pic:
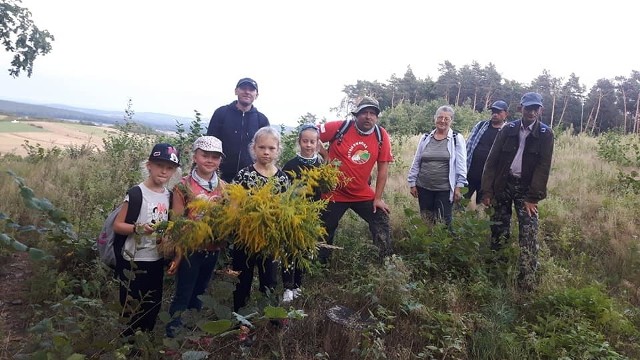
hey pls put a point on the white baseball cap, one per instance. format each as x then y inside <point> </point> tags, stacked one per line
<point>208,143</point>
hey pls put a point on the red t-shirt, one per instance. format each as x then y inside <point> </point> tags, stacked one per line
<point>357,155</point>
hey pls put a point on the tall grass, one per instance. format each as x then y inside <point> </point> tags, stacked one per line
<point>438,297</point>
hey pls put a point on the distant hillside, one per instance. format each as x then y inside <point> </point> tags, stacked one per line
<point>47,112</point>
<point>162,121</point>
<point>65,112</point>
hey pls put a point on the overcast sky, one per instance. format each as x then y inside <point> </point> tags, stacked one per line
<point>176,56</point>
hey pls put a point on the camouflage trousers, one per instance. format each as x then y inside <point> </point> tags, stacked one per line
<point>378,225</point>
<point>527,229</point>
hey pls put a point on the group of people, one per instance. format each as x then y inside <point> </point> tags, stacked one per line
<point>504,165</point>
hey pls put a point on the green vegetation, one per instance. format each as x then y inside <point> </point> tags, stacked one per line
<point>7,126</point>
<point>438,297</point>
<point>21,37</point>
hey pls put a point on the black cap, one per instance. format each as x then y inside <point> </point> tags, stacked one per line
<point>249,81</point>
<point>165,152</point>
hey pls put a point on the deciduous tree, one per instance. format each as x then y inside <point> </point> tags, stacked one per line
<point>20,36</point>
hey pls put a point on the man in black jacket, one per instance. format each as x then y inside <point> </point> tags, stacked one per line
<point>516,173</point>
<point>235,124</point>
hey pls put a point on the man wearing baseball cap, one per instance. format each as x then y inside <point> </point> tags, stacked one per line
<point>358,149</point>
<point>480,141</point>
<point>516,174</point>
<point>235,124</point>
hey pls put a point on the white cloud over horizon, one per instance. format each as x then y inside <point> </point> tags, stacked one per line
<point>173,57</point>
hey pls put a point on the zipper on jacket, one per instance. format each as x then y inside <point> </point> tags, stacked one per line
<point>241,134</point>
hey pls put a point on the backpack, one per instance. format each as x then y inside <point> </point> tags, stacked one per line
<point>455,138</point>
<point>107,238</point>
<point>345,126</point>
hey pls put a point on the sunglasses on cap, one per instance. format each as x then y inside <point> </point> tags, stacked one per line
<point>307,127</point>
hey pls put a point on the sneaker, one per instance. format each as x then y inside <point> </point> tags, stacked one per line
<point>287,296</point>
<point>296,292</point>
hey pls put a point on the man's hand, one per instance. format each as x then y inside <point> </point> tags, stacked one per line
<point>380,204</point>
<point>413,191</point>
<point>531,208</point>
<point>486,201</point>
<point>174,265</point>
<point>457,194</point>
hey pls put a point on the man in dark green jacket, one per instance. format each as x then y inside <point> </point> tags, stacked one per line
<point>516,174</point>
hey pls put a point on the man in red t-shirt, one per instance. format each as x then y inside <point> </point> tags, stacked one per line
<point>358,151</point>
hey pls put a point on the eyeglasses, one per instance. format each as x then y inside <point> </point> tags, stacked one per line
<point>443,118</point>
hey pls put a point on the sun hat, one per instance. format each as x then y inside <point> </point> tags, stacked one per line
<point>366,102</point>
<point>208,143</point>
<point>165,152</point>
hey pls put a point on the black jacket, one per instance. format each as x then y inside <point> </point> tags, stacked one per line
<point>536,161</point>
<point>235,129</point>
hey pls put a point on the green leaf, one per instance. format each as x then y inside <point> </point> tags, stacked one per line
<point>5,239</point>
<point>26,228</point>
<point>60,341</point>
<point>272,312</point>
<point>216,327</point>
<point>42,327</point>
<point>37,254</point>
<point>19,246</point>
<point>164,317</point>
<point>76,357</point>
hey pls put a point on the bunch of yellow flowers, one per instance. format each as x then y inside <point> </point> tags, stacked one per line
<point>263,221</point>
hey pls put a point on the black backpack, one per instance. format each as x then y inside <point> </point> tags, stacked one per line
<point>345,126</point>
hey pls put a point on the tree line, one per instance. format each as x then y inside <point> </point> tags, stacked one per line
<point>610,104</point>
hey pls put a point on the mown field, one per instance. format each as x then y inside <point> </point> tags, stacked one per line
<point>48,134</point>
<point>436,298</point>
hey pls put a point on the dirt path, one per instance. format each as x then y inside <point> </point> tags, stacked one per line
<point>14,304</point>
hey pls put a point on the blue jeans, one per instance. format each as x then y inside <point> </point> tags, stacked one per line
<point>192,279</point>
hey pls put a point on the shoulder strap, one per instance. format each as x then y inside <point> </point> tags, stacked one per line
<point>341,131</point>
<point>345,126</point>
<point>135,203</point>
<point>378,135</point>
<point>171,201</point>
<point>455,138</point>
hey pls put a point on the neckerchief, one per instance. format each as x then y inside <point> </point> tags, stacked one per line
<point>207,184</point>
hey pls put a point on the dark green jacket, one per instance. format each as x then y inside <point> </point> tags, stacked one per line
<point>536,161</point>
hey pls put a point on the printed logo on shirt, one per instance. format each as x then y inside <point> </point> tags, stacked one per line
<point>159,213</point>
<point>359,153</point>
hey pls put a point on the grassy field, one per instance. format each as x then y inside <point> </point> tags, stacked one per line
<point>437,298</point>
<point>19,127</point>
<point>48,135</point>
